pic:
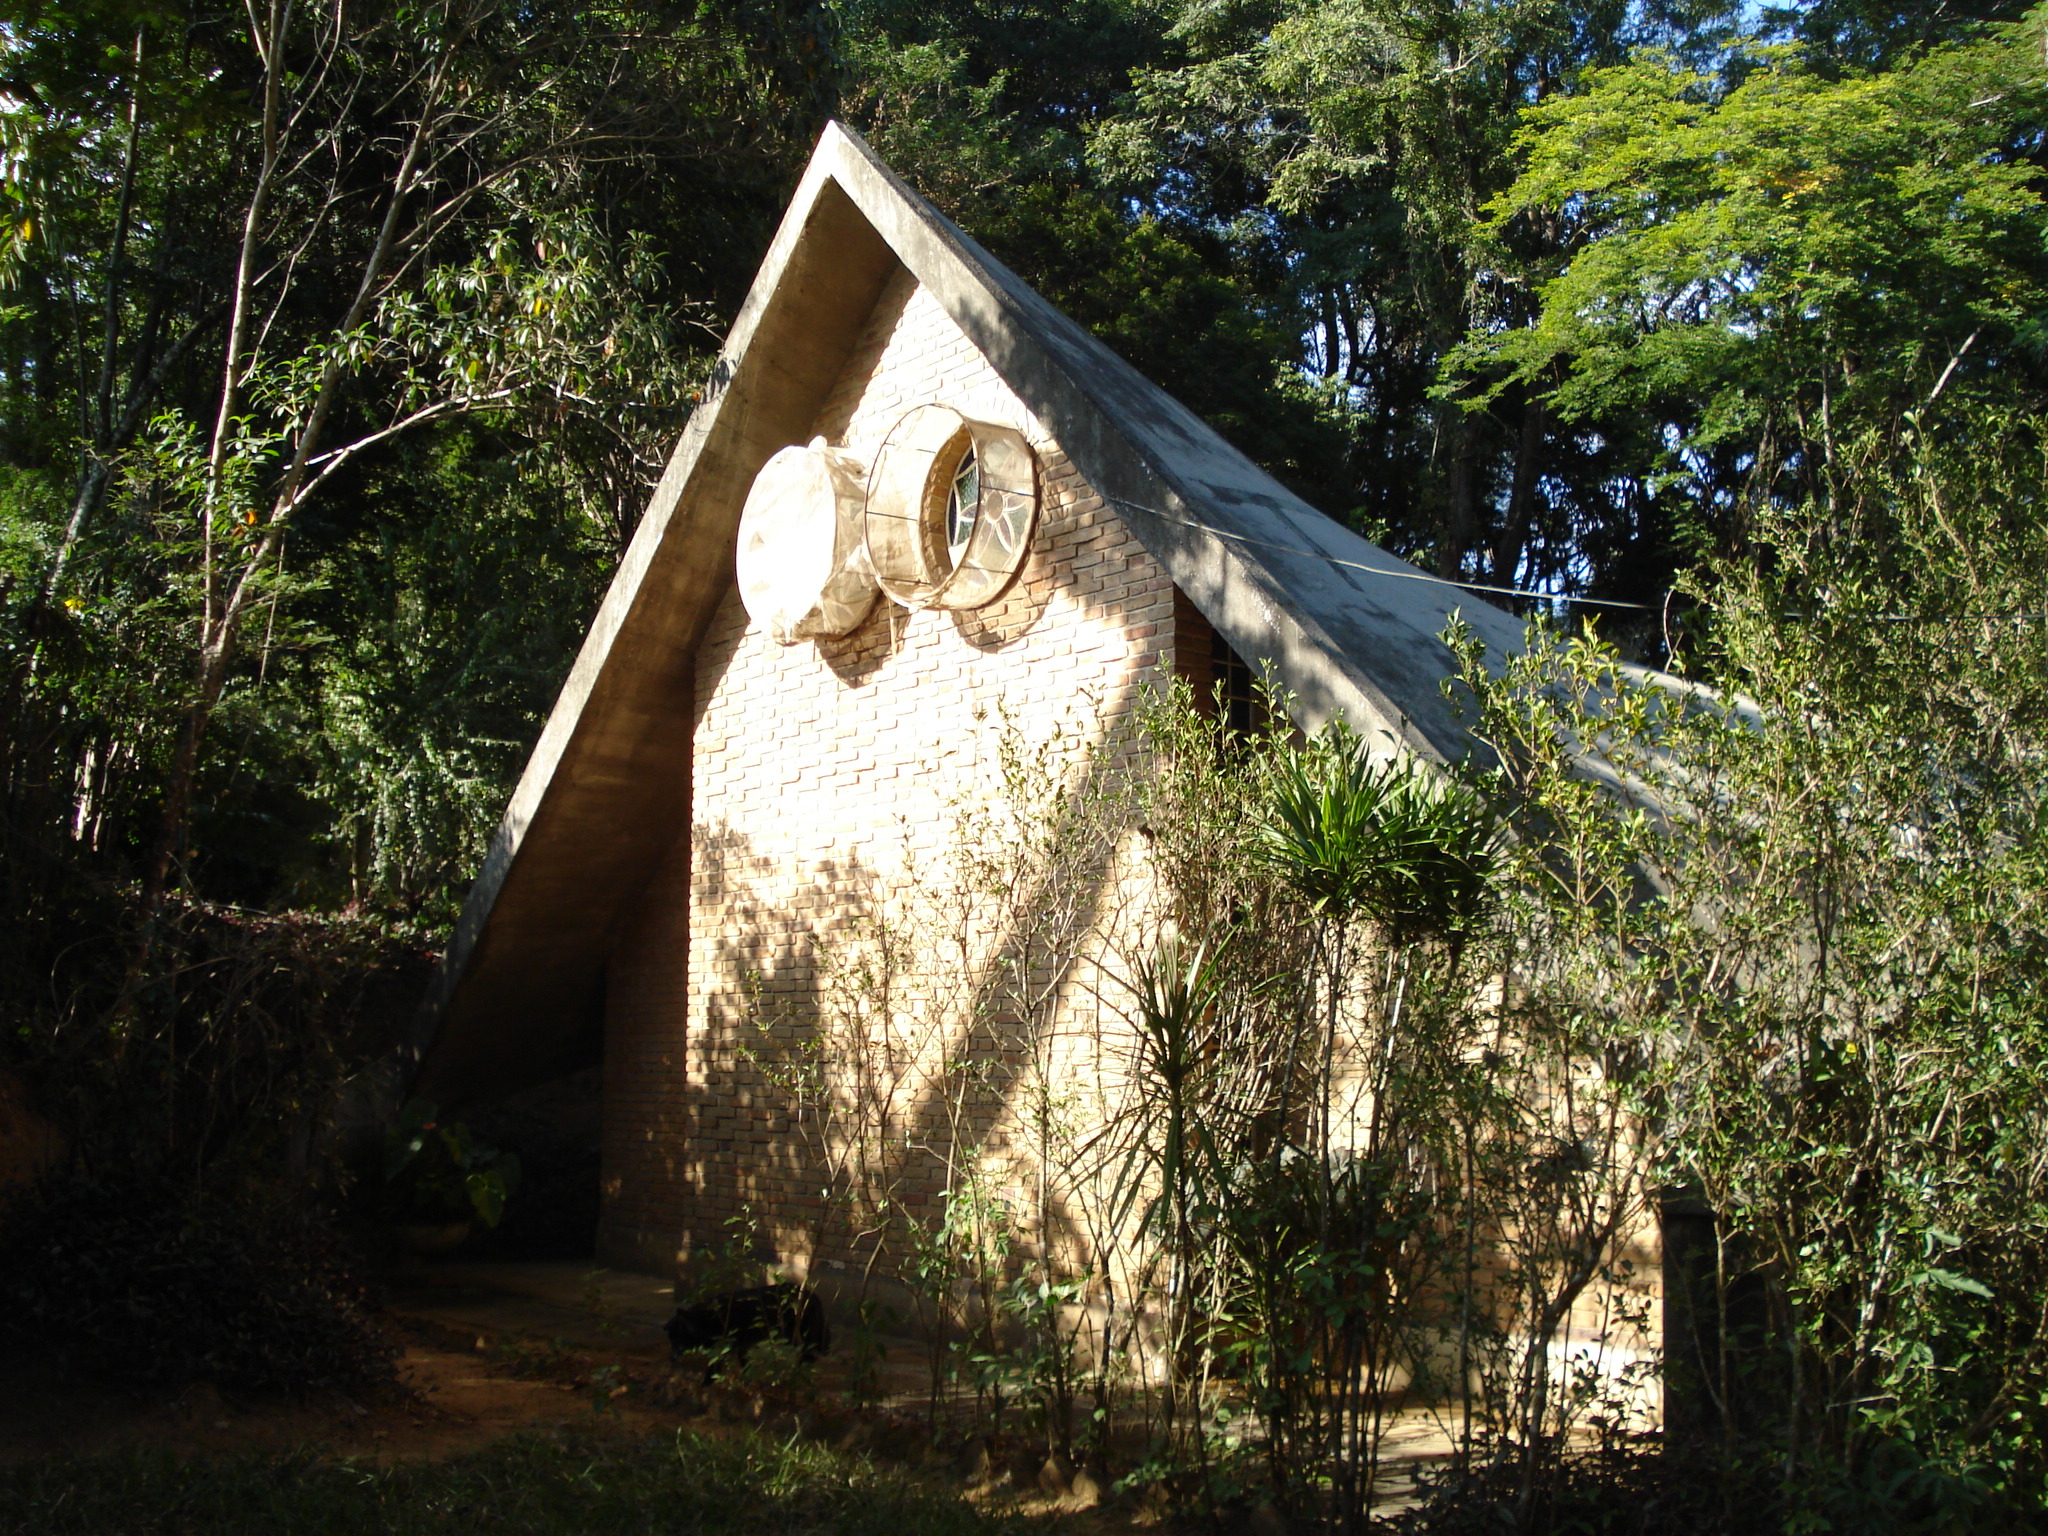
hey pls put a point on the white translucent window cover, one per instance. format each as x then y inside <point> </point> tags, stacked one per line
<point>911,490</point>
<point>801,562</point>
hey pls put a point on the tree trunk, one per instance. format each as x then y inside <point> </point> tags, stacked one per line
<point>1454,533</point>
<point>1513,536</point>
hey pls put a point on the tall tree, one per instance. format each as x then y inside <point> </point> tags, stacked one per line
<point>991,111</point>
<point>252,255</point>
<point>1752,277</point>
<point>1359,144</point>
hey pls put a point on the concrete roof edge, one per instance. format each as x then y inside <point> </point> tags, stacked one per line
<point>584,674</point>
<point>1168,510</point>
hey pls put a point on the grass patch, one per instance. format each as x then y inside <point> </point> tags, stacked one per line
<point>581,1482</point>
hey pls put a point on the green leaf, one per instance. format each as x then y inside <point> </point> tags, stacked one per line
<point>1949,1280</point>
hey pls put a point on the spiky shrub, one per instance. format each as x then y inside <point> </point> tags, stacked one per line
<point>1381,840</point>
<point>1350,1133</point>
<point>1390,863</point>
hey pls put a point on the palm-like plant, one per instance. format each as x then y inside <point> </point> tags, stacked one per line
<point>1395,845</point>
<point>1387,840</point>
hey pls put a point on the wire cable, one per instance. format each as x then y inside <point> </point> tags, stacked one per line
<point>1374,570</point>
<point>1549,597</point>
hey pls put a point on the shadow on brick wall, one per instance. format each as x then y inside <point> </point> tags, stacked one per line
<point>853,1009</point>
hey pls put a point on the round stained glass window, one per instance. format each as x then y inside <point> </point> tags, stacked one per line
<point>950,509</point>
<point>963,508</point>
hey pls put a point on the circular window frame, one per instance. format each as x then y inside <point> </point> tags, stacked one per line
<point>799,560</point>
<point>911,489</point>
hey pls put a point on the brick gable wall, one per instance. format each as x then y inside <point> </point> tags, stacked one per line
<point>828,778</point>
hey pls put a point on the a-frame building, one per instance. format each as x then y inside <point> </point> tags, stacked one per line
<point>994,518</point>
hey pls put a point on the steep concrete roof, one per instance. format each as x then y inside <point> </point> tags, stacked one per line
<point>1346,626</point>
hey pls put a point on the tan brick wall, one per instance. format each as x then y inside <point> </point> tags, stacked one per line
<point>830,779</point>
<point>831,782</point>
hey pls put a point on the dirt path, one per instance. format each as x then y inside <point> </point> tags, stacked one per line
<point>451,1400</point>
<point>490,1351</point>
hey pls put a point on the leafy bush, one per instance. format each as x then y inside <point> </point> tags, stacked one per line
<point>1638,1488</point>
<point>439,1170</point>
<point>1804,894</point>
<point>148,1282</point>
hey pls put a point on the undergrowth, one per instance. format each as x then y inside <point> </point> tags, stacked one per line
<point>547,1485</point>
<point>140,1279</point>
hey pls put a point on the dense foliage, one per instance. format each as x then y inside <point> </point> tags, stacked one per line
<point>148,1281</point>
<point>1830,995</point>
<point>339,348</point>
